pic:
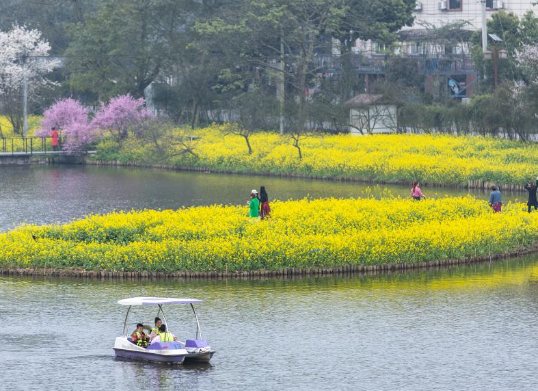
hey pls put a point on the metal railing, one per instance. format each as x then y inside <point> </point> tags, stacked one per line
<point>27,145</point>
<point>428,63</point>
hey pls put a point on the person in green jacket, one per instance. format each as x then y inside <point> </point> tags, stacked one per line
<point>254,204</point>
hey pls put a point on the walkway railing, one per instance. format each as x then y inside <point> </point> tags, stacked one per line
<point>27,145</point>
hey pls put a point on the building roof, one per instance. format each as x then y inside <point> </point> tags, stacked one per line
<point>363,100</point>
<point>436,34</point>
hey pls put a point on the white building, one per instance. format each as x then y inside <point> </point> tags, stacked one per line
<point>369,114</point>
<point>443,12</point>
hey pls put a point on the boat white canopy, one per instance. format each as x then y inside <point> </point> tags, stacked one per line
<point>157,301</point>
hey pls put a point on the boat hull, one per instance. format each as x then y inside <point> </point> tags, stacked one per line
<point>146,356</point>
<point>167,352</point>
<point>199,358</point>
<point>198,351</point>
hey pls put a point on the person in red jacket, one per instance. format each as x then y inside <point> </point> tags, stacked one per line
<point>54,136</point>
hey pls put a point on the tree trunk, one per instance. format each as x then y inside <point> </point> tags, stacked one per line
<point>194,113</point>
<point>346,86</point>
<point>296,145</point>
<point>247,140</point>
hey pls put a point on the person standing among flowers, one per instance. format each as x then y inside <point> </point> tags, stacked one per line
<point>254,204</point>
<point>495,199</point>
<point>416,193</point>
<point>531,187</point>
<point>265,210</point>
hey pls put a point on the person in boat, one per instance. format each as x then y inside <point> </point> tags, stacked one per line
<point>154,331</point>
<point>139,337</point>
<point>165,336</point>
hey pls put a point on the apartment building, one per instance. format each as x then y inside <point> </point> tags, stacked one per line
<point>448,63</point>
<point>442,12</point>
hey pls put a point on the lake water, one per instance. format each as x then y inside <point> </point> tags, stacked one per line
<point>464,328</point>
<point>49,194</point>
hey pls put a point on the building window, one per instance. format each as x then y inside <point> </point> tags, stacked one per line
<point>454,5</point>
<point>415,48</point>
<point>489,4</point>
<point>380,48</point>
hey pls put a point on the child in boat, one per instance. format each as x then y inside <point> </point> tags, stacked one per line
<point>139,337</point>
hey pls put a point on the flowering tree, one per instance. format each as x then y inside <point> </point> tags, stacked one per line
<point>63,114</point>
<point>71,118</point>
<point>121,115</point>
<point>23,57</point>
<point>527,58</point>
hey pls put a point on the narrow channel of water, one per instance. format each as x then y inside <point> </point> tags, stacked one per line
<point>464,328</point>
<point>48,194</point>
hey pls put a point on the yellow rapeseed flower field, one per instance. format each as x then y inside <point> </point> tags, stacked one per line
<point>440,159</point>
<point>299,234</point>
<point>9,140</point>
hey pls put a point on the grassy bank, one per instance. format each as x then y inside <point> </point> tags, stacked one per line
<point>438,159</point>
<point>301,234</point>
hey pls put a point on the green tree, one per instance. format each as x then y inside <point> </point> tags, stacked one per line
<point>124,45</point>
<point>514,33</point>
<point>376,20</point>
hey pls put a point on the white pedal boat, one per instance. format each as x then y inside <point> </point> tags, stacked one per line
<point>191,351</point>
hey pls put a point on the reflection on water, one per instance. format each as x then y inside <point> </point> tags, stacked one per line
<point>52,194</point>
<point>461,328</point>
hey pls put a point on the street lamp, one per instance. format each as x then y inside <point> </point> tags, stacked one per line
<point>496,54</point>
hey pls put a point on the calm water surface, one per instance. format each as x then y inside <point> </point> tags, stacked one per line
<point>48,194</point>
<point>468,328</point>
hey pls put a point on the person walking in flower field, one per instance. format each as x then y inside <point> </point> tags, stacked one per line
<point>531,187</point>
<point>254,204</point>
<point>495,199</point>
<point>265,210</point>
<point>416,193</point>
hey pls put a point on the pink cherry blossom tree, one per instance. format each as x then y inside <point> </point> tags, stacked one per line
<point>62,114</point>
<point>122,114</point>
<point>70,117</point>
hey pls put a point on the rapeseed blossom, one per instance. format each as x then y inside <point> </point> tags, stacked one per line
<point>300,234</point>
<point>442,159</point>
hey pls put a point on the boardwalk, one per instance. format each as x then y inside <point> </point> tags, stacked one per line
<point>25,147</point>
<point>31,153</point>
<point>40,153</point>
<point>21,150</point>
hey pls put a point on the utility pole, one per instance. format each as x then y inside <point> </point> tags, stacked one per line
<point>484,27</point>
<point>25,94</point>
<point>281,86</point>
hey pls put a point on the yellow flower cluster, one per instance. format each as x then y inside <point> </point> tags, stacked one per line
<point>13,141</point>
<point>441,159</point>
<point>299,234</point>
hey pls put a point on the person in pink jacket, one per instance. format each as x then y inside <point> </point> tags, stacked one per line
<point>416,193</point>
